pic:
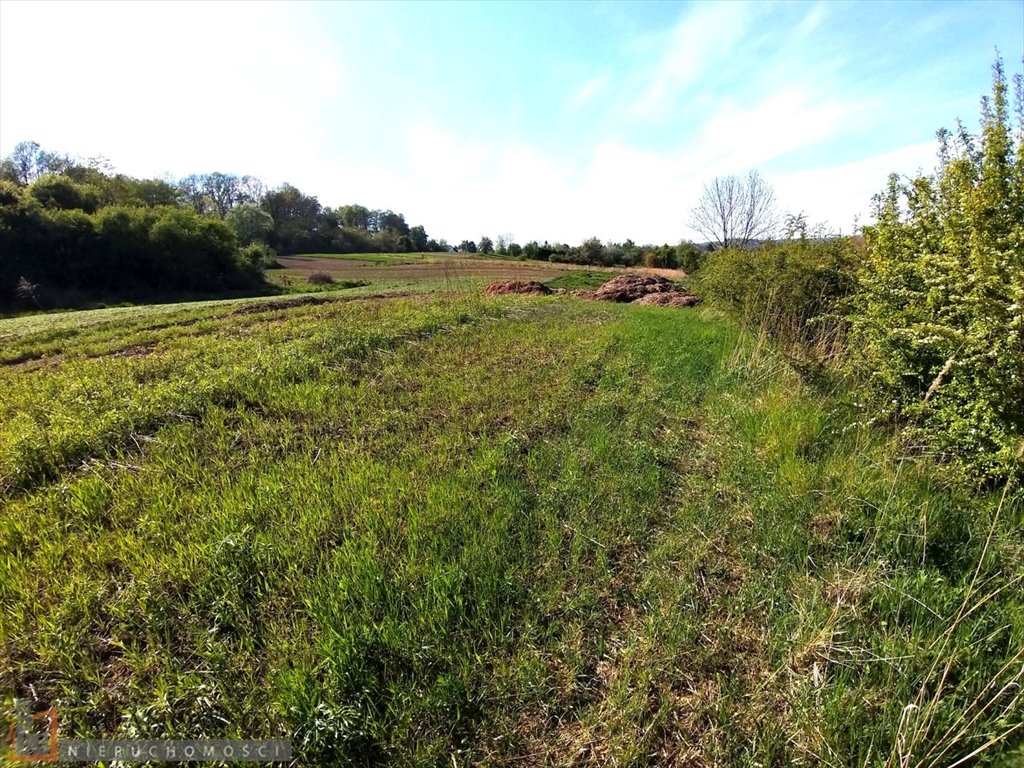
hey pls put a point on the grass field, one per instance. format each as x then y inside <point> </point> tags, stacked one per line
<point>432,272</point>
<point>444,530</point>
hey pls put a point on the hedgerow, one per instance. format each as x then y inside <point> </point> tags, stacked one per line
<point>937,322</point>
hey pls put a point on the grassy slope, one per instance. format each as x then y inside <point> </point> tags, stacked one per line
<point>534,530</point>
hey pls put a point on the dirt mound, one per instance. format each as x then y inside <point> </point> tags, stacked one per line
<point>523,287</point>
<point>625,288</point>
<point>582,293</point>
<point>669,299</point>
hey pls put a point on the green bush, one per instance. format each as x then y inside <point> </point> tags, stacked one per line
<point>117,251</point>
<point>60,192</point>
<point>258,256</point>
<point>938,323</point>
<point>320,278</point>
<point>792,289</point>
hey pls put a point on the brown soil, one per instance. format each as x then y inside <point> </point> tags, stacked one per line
<point>669,299</point>
<point>267,306</point>
<point>630,287</point>
<point>524,287</point>
<point>452,267</point>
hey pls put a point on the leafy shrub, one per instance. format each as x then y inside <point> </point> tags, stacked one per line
<point>257,256</point>
<point>939,321</point>
<point>62,193</point>
<point>794,289</point>
<point>10,193</point>
<point>250,223</point>
<point>117,250</point>
<point>320,278</point>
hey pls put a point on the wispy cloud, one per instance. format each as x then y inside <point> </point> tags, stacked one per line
<point>588,91</point>
<point>840,194</point>
<point>694,48</point>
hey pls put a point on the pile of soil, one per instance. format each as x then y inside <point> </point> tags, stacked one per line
<point>650,290</point>
<point>523,287</point>
<point>626,288</point>
<point>669,299</point>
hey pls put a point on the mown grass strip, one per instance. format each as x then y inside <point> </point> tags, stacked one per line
<point>557,532</point>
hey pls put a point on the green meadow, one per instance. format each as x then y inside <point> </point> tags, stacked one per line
<point>449,530</point>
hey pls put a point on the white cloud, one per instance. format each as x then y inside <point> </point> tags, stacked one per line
<point>181,87</point>
<point>838,194</point>
<point>588,91</point>
<point>697,46</point>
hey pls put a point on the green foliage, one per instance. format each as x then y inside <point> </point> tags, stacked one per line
<point>250,223</point>
<point>62,193</point>
<point>939,323</point>
<point>119,250</point>
<point>689,257</point>
<point>196,251</point>
<point>791,289</point>
<point>686,256</point>
<point>258,256</point>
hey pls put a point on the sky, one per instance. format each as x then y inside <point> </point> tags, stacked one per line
<point>551,121</point>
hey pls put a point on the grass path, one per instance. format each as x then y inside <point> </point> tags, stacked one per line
<point>426,531</point>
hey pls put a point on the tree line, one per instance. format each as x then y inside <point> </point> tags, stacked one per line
<point>71,229</point>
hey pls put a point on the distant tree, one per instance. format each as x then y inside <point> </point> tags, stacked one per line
<point>689,256</point>
<point>53,162</point>
<point>8,172</point>
<point>734,211</point>
<point>591,251</point>
<point>418,239</point>
<point>503,244</point>
<point>217,193</point>
<point>250,222</point>
<point>193,193</point>
<point>296,217</point>
<point>796,226</point>
<point>154,192</point>
<point>486,245</point>
<point>60,192</point>
<point>23,162</point>
<point>390,241</point>
<point>354,216</point>
<point>467,246</point>
<point>531,249</point>
<point>222,189</point>
<point>392,221</point>
<point>251,189</point>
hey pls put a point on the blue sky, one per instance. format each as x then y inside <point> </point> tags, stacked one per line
<point>545,120</point>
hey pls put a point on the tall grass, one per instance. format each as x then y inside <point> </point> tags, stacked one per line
<point>515,531</point>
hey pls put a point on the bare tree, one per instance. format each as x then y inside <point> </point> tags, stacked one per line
<point>734,211</point>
